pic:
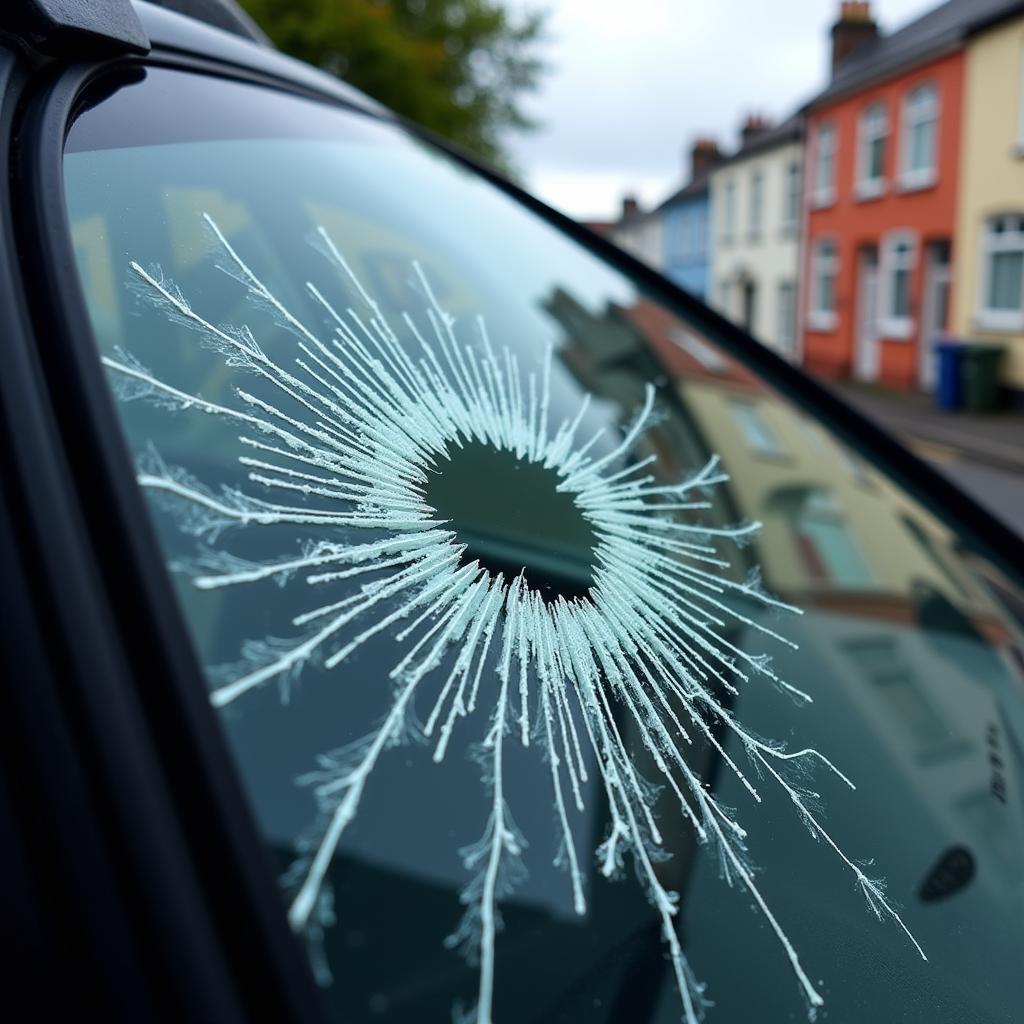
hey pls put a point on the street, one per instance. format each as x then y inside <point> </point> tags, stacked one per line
<point>1000,492</point>
<point>983,454</point>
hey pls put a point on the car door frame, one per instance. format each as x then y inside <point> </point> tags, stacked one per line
<point>190,925</point>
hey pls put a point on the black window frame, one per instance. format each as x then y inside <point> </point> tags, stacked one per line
<point>167,742</point>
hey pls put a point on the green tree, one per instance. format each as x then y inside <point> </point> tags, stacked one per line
<point>459,67</point>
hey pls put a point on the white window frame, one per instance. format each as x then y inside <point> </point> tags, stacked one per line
<point>758,434</point>
<point>785,315</point>
<point>792,186</point>
<point>755,211</point>
<point>899,327</point>
<point>998,319</point>
<point>819,319</point>
<point>872,125</point>
<point>919,177</point>
<point>725,291</point>
<point>709,357</point>
<point>728,211</point>
<point>824,193</point>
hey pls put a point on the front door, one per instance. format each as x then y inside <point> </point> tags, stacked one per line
<point>934,310</point>
<point>866,357</point>
<point>749,305</point>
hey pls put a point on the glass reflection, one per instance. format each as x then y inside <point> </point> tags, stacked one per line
<point>910,645</point>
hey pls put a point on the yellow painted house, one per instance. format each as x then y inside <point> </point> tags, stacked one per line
<point>835,533</point>
<point>988,282</point>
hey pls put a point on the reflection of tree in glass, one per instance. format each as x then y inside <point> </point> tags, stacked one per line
<point>362,431</point>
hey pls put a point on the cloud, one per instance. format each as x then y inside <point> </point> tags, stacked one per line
<point>633,82</point>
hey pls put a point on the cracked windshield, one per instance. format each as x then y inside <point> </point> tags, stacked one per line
<point>572,673</point>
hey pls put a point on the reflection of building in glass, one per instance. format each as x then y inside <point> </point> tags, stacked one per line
<point>824,544</point>
<point>609,353</point>
<point>830,523</point>
<point>882,661</point>
<point>908,657</point>
<point>924,707</point>
<point>906,615</point>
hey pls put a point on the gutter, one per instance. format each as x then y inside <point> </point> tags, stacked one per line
<point>867,80</point>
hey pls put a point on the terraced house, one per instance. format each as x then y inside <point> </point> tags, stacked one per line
<point>988,283</point>
<point>686,220</point>
<point>755,203</point>
<point>882,184</point>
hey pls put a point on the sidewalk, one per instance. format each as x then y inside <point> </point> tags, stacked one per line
<point>994,439</point>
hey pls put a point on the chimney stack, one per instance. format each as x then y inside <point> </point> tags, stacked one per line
<point>704,154</point>
<point>854,28</point>
<point>752,126</point>
<point>630,208</point>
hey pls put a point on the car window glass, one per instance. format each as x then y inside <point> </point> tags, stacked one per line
<point>516,595</point>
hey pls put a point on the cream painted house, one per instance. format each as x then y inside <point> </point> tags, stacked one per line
<point>756,220</point>
<point>832,526</point>
<point>988,282</point>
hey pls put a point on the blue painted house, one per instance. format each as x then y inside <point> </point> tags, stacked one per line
<point>686,224</point>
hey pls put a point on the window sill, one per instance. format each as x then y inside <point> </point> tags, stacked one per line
<point>865,191</point>
<point>1000,321</point>
<point>822,200</point>
<point>821,321</point>
<point>896,330</point>
<point>917,182</point>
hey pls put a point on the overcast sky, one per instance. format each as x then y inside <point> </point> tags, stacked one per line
<point>632,81</point>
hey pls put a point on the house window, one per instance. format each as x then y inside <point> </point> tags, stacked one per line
<point>748,292</point>
<point>824,269</point>
<point>756,431</point>
<point>828,548</point>
<point>873,131</point>
<point>679,237</point>
<point>1003,273</point>
<point>791,198</point>
<point>729,211</point>
<point>710,358</point>
<point>692,235</point>
<point>825,165</point>
<point>786,312</point>
<point>756,213</point>
<point>725,298</point>
<point>904,693</point>
<point>920,132</point>
<point>899,254</point>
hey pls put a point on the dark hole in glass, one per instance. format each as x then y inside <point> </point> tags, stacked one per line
<point>510,515</point>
